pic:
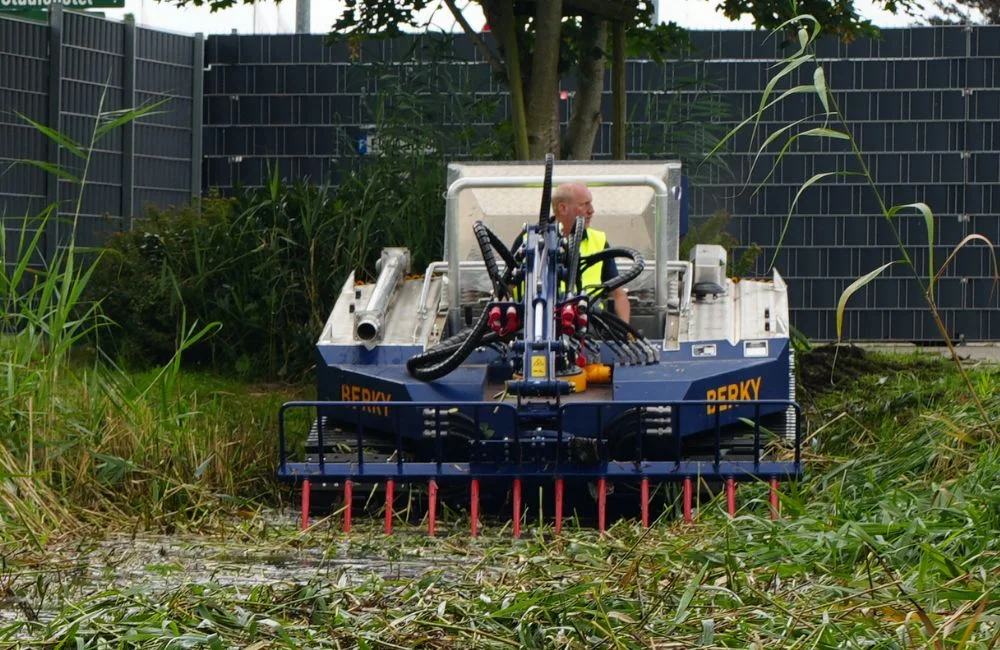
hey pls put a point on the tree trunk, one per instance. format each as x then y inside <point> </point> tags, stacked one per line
<point>500,14</point>
<point>543,94</point>
<point>586,118</point>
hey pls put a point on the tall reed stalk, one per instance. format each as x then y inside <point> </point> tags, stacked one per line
<point>84,441</point>
<point>834,127</point>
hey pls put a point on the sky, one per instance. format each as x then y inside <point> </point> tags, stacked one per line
<point>267,17</point>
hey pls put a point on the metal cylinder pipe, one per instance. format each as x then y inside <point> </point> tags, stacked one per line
<point>369,322</point>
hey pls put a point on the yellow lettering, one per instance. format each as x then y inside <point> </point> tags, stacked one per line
<point>744,391</point>
<point>352,393</point>
<point>723,393</point>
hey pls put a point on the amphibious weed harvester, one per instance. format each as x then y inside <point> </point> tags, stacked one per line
<point>495,371</point>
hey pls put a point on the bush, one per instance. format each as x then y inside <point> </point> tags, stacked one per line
<point>266,264</point>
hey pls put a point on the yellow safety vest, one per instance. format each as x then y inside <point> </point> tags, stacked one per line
<point>594,242</point>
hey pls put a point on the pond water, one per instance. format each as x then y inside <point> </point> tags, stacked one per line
<point>274,552</point>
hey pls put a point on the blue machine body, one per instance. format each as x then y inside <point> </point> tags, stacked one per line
<point>690,406</point>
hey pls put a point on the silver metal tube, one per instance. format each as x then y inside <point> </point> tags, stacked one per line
<point>660,232</point>
<point>369,321</point>
<point>683,268</point>
<point>435,267</point>
<point>624,180</point>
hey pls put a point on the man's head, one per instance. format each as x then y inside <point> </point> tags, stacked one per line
<point>572,200</point>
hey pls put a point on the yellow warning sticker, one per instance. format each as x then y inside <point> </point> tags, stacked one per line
<point>539,365</point>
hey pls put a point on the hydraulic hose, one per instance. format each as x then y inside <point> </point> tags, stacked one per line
<point>620,331</point>
<point>446,348</point>
<point>573,255</point>
<point>490,259</point>
<point>508,257</point>
<point>543,215</point>
<point>638,264</point>
<point>417,363</point>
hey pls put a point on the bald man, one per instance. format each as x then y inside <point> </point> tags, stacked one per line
<point>572,200</point>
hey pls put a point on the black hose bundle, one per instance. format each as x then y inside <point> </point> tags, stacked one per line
<point>447,355</point>
<point>426,365</point>
<point>506,254</point>
<point>614,329</point>
<point>543,214</point>
<point>638,264</point>
<point>490,259</point>
<point>573,255</point>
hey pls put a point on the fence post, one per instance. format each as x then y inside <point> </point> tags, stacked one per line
<point>54,122</point>
<point>128,131</point>
<point>197,108</point>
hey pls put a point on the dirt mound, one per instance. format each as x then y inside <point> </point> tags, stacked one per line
<point>828,367</point>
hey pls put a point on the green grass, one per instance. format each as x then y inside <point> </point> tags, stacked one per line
<point>892,541</point>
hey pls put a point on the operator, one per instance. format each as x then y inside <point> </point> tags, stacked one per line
<point>572,200</point>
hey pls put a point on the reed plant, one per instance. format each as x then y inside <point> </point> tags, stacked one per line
<point>85,443</point>
<point>829,125</point>
<point>890,542</point>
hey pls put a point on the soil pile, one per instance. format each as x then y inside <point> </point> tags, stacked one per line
<point>830,367</point>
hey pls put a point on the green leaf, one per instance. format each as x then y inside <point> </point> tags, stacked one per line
<point>850,290</point>
<point>819,80</point>
<point>809,183</point>
<point>61,139</point>
<point>962,244</point>
<point>771,138</point>
<point>823,132</point>
<point>117,119</point>
<point>688,594</point>
<point>56,170</point>
<point>929,222</point>
<point>790,67</point>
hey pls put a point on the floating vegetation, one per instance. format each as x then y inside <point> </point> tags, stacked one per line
<point>891,542</point>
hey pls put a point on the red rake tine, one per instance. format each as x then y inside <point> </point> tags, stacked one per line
<point>602,487</point>
<point>432,497</point>
<point>305,503</point>
<point>688,492</point>
<point>644,495</point>
<point>475,507</point>
<point>517,507</point>
<point>731,496</point>
<point>774,500</point>
<point>390,486</point>
<point>559,505</point>
<point>348,504</point>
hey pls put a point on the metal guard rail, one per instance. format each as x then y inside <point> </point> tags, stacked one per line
<point>365,470</point>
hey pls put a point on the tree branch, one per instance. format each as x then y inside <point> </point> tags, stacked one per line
<point>495,63</point>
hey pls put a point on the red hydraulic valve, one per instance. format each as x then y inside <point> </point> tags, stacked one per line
<point>568,318</point>
<point>494,319</point>
<point>511,322</point>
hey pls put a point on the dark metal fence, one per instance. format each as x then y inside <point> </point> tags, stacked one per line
<point>62,75</point>
<point>923,102</point>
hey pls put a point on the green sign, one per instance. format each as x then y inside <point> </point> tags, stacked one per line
<point>38,5</point>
